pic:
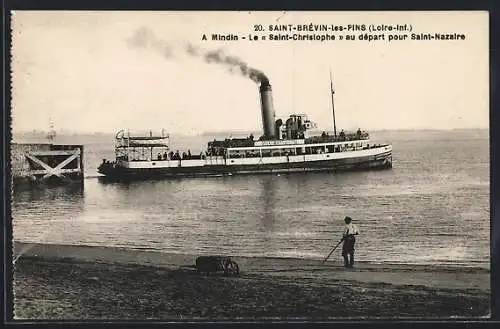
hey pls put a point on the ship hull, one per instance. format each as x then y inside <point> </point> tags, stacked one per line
<point>381,160</point>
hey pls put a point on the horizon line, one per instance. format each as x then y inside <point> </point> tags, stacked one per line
<point>63,131</point>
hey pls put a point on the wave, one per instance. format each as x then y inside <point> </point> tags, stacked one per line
<point>92,176</point>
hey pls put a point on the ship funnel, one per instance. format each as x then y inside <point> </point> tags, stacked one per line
<point>267,108</point>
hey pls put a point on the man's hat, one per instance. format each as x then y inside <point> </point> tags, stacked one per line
<point>347,218</point>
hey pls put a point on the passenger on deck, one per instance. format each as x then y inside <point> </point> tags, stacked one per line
<point>358,133</point>
<point>189,154</point>
<point>342,135</point>
<point>159,157</point>
<point>165,156</point>
<point>184,155</point>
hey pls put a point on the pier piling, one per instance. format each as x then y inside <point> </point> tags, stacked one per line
<point>47,164</point>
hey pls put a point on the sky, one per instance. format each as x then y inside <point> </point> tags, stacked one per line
<point>107,71</point>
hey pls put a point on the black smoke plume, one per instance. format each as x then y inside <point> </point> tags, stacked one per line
<point>145,38</point>
<point>234,63</point>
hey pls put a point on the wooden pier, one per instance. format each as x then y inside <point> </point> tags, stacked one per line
<point>47,164</point>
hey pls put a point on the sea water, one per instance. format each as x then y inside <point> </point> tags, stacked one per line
<point>432,207</point>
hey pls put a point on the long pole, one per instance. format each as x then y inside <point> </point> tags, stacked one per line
<point>331,252</point>
<point>333,105</point>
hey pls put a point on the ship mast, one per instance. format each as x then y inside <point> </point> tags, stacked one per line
<point>52,132</point>
<point>333,105</point>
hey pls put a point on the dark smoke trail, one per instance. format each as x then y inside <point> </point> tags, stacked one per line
<point>219,57</point>
<point>145,38</point>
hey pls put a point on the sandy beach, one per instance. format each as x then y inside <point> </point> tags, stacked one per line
<point>77,282</point>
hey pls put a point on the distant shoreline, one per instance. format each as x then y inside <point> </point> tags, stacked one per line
<point>42,134</point>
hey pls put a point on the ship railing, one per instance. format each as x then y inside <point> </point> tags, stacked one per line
<point>330,139</point>
<point>307,149</point>
<point>231,143</point>
<point>160,157</point>
<point>214,160</point>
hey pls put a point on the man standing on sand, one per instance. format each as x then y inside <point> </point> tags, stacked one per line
<point>350,231</point>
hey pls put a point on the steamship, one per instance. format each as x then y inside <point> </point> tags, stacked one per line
<point>284,147</point>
